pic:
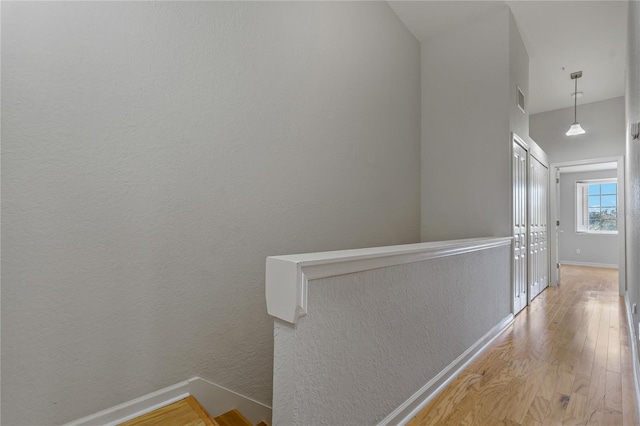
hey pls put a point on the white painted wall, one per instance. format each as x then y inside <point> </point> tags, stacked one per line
<point>372,339</point>
<point>632,109</point>
<point>469,79</point>
<point>603,122</point>
<point>154,153</point>
<point>518,77</point>
<point>594,248</point>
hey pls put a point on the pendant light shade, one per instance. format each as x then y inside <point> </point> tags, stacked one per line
<point>576,128</point>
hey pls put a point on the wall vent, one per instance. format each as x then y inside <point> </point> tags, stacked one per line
<point>634,131</point>
<point>520,99</point>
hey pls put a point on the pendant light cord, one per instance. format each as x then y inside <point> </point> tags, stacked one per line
<point>575,102</point>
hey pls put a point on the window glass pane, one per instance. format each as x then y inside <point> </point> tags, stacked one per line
<point>595,219</point>
<point>597,206</point>
<point>609,188</point>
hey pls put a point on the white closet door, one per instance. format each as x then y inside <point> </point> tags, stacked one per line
<point>538,248</point>
<point>519,168</point>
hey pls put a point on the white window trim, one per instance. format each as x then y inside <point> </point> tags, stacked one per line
<point>582,228</point>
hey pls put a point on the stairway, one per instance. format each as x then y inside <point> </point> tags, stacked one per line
<point>189,412</point>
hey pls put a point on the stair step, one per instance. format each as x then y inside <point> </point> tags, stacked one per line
<point>189,412</point>
<point>233,418</point>
<point>186,412</point>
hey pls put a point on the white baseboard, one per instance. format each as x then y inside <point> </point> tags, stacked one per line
<point>136,407</point>
<point>215,399</point>
<point>634,353</point>
<point>420,399</point>
<point>592,264</point>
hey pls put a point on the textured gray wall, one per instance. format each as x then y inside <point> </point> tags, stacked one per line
<point>374,338</point>
<point>154,153</point>
<point>518,77</point>
<point>465,125</point>
<point>632,96</point>
<point>469,79</point>
<point>594,248</point>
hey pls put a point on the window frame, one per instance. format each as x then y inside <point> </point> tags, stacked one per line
<point>582,206</point>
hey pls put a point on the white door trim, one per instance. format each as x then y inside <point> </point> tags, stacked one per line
<point>622,279</point>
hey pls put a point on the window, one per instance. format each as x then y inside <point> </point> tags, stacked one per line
<point>597,206</point>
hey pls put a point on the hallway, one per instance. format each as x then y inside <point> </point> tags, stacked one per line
<point>565,360</point>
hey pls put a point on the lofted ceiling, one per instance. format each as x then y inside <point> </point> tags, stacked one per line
<point>560,36</point>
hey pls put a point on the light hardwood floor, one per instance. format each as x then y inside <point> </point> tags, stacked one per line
<point>565,360</point>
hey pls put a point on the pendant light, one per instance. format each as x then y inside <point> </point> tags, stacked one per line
<point>576,128</point>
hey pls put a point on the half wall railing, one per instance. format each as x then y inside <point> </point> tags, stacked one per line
<point>368,336</point>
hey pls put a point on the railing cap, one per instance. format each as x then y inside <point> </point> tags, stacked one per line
<point>287,276</point>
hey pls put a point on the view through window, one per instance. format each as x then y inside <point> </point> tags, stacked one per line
<point>597,206</point>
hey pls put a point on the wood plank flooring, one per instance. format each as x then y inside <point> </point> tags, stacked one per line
<point>564,361</point>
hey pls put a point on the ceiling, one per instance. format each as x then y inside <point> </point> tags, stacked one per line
<point>612,165</point>
<point>560,36</point>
